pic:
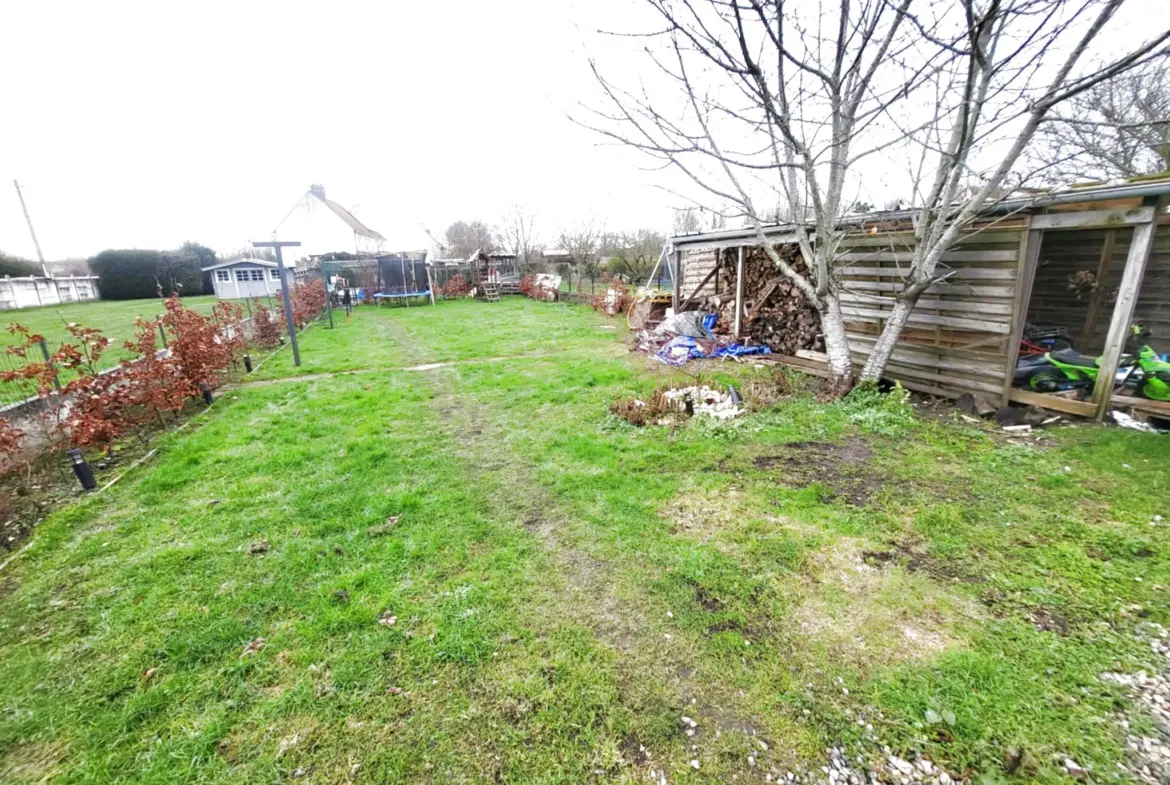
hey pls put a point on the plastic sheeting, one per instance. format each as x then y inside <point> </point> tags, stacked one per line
<point>682,348</point>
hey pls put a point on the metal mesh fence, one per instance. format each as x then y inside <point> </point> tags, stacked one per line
<point>17,391</point>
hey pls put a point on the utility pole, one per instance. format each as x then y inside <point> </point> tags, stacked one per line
<point>28,220</point>
<point>288,313</point>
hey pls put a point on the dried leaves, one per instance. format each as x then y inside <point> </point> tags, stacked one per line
<point>639,412</point>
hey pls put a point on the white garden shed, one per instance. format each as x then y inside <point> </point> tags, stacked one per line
<point>247,278</point>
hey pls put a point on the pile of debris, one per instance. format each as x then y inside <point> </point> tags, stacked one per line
<point>669,405</point>
<point>776,314</point>
<point>689,336</point>
<point>706,402</point>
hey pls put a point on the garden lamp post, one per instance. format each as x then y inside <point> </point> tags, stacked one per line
<point>82,469</point>
<point>288,314</point>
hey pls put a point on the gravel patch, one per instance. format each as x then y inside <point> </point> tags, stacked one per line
<point>1149,760</point>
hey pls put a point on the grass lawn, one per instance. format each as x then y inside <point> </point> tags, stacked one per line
<point>474,573</point>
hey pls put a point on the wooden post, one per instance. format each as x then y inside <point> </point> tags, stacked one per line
<point>695,293</point>
<point>1098,298</point>
<point>1119,325</point>
<point>430,283</point>
<point>1029,258</point>
<point>739,294</point>
<point>676,282</point>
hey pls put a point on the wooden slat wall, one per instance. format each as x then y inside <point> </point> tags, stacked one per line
<point>956,340</point>
<point>695,267</point>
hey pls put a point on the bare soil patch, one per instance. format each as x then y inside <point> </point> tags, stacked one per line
<point>867,614</point>
<point>841,469</point>
<point>917,559</point>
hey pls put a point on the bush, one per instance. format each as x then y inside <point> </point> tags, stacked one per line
<point>95,409</point>
<point>195,344</point>
<point>265,328</point>
<point>139,274</point>
<point>10,437</point>
<point>456,286</point>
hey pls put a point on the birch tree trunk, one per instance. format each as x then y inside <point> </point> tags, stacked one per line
<point>888,340</point>
<point>836,346</point>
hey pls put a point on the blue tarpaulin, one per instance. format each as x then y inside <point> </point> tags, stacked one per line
<point>739,350</point>
<point>681,348</point>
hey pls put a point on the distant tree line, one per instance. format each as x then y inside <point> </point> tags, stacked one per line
<point>17,267</point>
<point>591,252</point>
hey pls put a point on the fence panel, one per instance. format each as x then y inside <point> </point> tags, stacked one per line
<point>14,392</point>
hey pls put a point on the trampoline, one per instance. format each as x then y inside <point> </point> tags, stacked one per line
<point>380,297</point>
<point>402,277</point>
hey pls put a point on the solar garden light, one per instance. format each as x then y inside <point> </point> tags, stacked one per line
<point>83,470</point>
<point>248,363</point>
<point>207,397</point>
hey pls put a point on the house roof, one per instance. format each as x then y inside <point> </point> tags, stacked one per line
<point>1095,192</point>
<point>345,215</point>
<point>249,262</point>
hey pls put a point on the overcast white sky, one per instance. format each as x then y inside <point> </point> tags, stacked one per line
<point>145,124</point>
<point>148,124</point>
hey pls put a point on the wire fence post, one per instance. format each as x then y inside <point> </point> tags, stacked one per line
<point>45,352</point>
<point>162,331</point>
<point>284,287</point>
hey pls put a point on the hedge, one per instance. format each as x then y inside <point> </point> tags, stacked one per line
<point>133,274</point>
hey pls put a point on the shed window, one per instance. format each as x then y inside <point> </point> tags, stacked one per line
<point>274,273</point>
<point>257,275</point>
<point>242,275</point>
<point>222,275</point>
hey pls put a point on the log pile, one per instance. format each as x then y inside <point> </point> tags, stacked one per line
<point>776,314</point>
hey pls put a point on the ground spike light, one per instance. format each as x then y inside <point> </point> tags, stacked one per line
<point>288,314</point>
<point>82,469</point>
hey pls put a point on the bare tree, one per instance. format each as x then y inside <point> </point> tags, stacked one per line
<point>464,238</point>
<point>686,220</point>
<point>632,255</point>
<point>1118,128</point>
<point>692,219</point>
<point>582,242</point>
<point>777,102</point>
<point>517,234</point>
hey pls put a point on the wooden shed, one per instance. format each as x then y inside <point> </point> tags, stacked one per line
<point>1088,260</point>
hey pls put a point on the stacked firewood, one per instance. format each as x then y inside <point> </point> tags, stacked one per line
<point>776,314</point>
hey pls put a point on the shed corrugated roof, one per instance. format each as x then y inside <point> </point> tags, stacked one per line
<point>786,232</point>
<point>249,262</point>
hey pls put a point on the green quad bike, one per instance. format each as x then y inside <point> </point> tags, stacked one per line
<point>1145,373</point>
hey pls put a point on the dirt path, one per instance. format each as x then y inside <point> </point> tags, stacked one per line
<point>655,659</point>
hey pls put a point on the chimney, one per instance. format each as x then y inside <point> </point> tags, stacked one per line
<point>317,190</point>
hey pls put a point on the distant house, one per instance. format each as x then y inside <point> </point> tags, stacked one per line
<point>247,278</point>
<point>323,226</point>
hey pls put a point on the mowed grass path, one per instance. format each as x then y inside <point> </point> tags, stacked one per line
<point>565,587</point>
